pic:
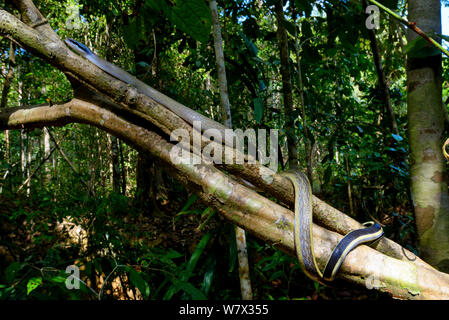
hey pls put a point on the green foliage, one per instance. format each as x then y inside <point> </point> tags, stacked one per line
<point>156,272</point>
<point>138,280</point>
<point>191,16</point>
<point>420,48</point>
<point>33,283</point>
<point>182,283</point>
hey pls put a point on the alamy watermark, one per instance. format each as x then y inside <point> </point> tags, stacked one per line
<point>217,153</point>
<point>374,282</point>
<point>73,280</point>
<point>372,22</point>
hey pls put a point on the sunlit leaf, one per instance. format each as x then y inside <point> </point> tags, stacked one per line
<point>33,283</point>
<point>420,48</point>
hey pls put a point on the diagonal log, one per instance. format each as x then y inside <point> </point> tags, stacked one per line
<point>246,208</point>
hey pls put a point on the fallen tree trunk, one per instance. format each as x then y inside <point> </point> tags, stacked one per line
<point>244,207</point>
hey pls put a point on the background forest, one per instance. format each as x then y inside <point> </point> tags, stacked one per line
<point>76,195</point>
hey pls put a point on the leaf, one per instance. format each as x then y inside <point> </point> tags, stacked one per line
<point>304,6</point>
<point>290,132</point>
<point>445,37</point>
<point>187,273</point>
<point>188,288</point>
<point>289,26</point>
<point>402,172</point>
<point>33,283</point>
<point>191,16</point>
<point>258,109</point>
<point>233,258</point>
<point>189,202</point>
<point>138,281</point>
<point>397,137</point>
<point>196,255</point>
<point>171,254</point>
<point>194,293</point>
<point>327,174</point>
<point>185,211</point>
<point>58,279</point>
<point>131,33</point>
<point>420,48</point>
<point>143,64</point>
<point>209,275</point>
<point>277,274</point>
<point>156,5</point>
<point>249,45</point>
<point>209,212</point>
<point>262,85</point>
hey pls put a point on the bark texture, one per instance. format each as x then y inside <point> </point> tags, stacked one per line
<point>225,107</point>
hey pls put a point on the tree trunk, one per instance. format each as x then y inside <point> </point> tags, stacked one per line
<point>29,145</point>
<point>240,236</point>
<point>116,172</point>
<point>221,70</point>
<point>425,119</point>
<point>116,180</point>
<point>9,75</point>
<point>348,182</point>
<point>47,166</point>
<point>286,86</point>
<point>122,165</point>
<point>149,178</point>
<point>4,100</point>
<point>383,85</point>
<point>144,177</point>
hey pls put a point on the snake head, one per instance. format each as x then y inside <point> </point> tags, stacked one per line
<point>78,47</point>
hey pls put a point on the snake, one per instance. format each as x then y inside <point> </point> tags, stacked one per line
<point>303,216</point>
<point>303,235</point>
<point>446,155</point>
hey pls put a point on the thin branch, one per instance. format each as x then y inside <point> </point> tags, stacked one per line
<point>411,25</point>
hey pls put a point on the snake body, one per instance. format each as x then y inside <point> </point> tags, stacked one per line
<point>303,196</point>
<point>303,236</point>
